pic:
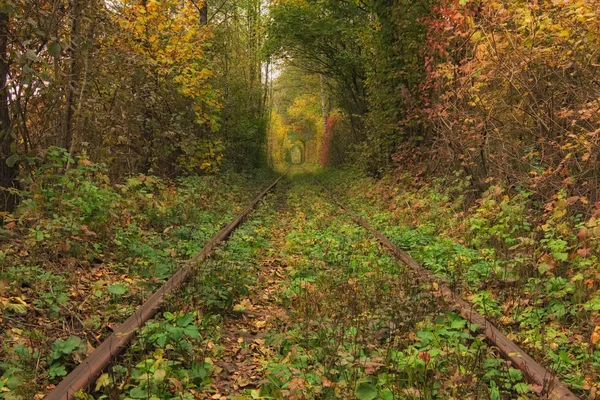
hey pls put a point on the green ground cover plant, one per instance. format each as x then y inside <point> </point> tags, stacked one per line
<point>84,253</point>
<point>173,356</point>
<point>362,326</point>
<point>529,267</point>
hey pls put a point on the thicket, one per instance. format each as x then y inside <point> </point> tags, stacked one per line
<point>165,87</point>
<point>511,94</point>
<point>502,91</point>
<point>483,119</point>
<point>297,118</point>
<point>531,274</point>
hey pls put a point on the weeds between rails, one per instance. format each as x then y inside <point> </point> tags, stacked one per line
<point>535,372</point>
<point>91,368</point>
<point>352,318</point>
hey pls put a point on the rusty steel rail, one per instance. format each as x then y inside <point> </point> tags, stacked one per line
<point>88,371</point>
<point>533,371</point>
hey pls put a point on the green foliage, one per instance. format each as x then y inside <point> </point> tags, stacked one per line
<point>62,355</point>
<point>16,369</point>
<point>166,345</point>
<point>139,87</point>
<point>85,253</point>
<point>370,52</point>
<point>365,389</point>
<point>362,326</point>
<point>324,37</point>
<point>240,69</point>
<point>178,346</point>
<point>227,275</point>
<point>527,272</point>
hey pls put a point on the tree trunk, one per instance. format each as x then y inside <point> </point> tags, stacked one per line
<point>266,90</point>
<point>324,116</point>
<point>204,13</point>
<point>9,171</point>
<point>324,105</point>
<point>74,77</point>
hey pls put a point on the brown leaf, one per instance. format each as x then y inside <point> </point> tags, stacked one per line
<point>87,231</point>
<point>372,367</point>
<point>595,338</point>
<point>584,252</point>
<point>425,356</point>
<point>582,234</point>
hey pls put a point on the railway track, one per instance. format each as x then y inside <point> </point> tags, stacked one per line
<point>89,370</point>
<point>535,372</point>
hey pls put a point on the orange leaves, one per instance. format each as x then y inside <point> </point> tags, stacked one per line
<point>518,90</point>
<point>425,356</point>
<point>595,338</point>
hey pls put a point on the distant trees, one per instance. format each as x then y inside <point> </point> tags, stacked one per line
<point>497,90</point>
<point>370,53</point>
<point>297,116</point>
<point>241,74</point>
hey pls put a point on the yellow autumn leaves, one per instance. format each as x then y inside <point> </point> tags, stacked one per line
<point>167,34</point>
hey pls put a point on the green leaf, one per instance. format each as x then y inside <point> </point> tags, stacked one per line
<point>185,320</point>
<point>515,375</point>
<point>68,346</point>
<point>12,160</point>
<point>13,382</point>
<point>54,49</point>
<point>561,256</point>
<point>168,315</point>
<point>138,393</point>
<point>30,54</point>
<point>159,375</point>
<point>161,341</point>
<point>494,391</point>
<point>118,289</point>
<point>564,357</point>
<point>57,370</point>
<point>456,322</point>
<point>365,390</point>
<point>17,308</point>
<point>103,381</point>
<point>521,388</point>
<point>192,332</point>
<point>386,394</point>
<point>426,337</point>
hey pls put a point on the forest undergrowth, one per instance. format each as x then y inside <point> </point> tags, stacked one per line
<point>466,131</point>
<point>301,303</point>
<point>529,267</point>
<point>80,254</point>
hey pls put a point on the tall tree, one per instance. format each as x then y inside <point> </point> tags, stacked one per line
<point>204,13</point>
<point>74,75</point>
<point>8,167</point>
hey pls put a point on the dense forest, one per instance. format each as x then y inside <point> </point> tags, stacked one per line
<point>467,131</point>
